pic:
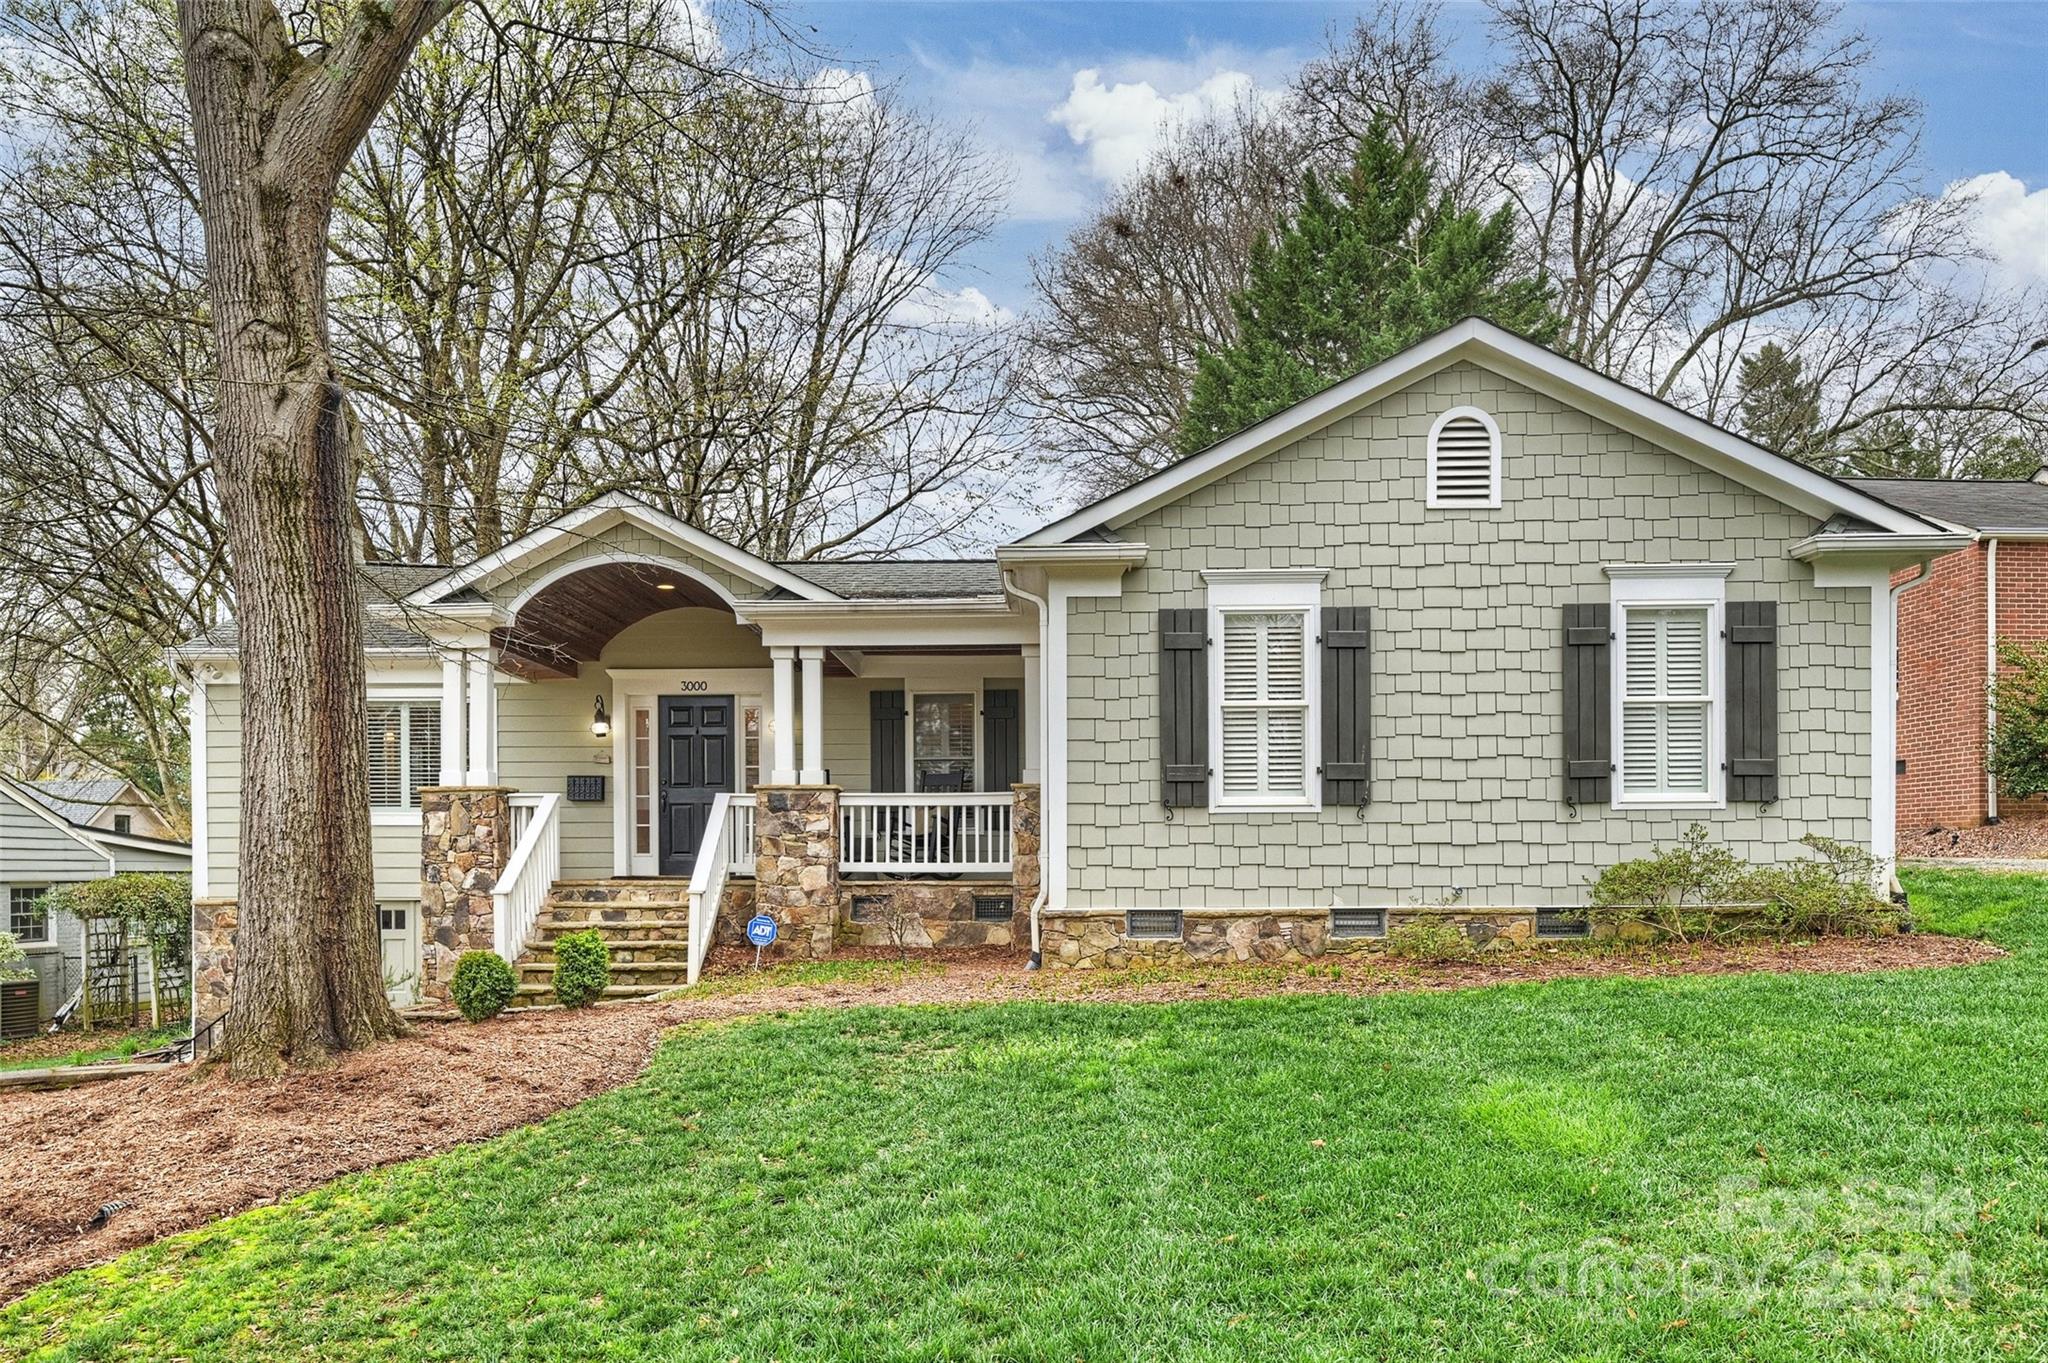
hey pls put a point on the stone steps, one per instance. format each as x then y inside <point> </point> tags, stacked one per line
<point>645,923</point>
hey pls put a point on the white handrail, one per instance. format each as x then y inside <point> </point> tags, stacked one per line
<point>707,880</point>
<point>533,833</point>
<point>932,834</point>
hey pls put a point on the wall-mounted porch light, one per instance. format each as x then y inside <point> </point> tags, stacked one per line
<point>600,722</point>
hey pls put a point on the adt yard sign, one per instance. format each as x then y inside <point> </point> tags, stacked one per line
<point>761,932</point>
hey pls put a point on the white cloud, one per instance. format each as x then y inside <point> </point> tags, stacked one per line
<point>2011,223</point>
<point>1117,124</point>
<point>934,306</point>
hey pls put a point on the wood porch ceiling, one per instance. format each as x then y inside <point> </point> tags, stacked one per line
<point>568,623</point>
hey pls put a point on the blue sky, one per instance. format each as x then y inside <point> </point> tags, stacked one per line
<point>1017,73</point>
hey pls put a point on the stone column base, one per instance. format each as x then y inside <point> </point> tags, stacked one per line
<point>462,849</point>
<point>796,863</point>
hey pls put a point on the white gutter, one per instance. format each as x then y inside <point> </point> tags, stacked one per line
<point>1990,673</point>
<point>1038,900</point>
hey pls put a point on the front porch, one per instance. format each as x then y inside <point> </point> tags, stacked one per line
<point>631,730</point>
<point>833,868</point>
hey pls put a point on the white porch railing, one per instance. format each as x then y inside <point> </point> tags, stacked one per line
<point>714,865</point>
<point>928,834</point>
<point>533,832</point>
<point>740,836</point>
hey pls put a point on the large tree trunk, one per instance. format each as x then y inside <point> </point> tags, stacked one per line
<point>272,129</point>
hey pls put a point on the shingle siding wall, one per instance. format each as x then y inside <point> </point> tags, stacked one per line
<point>1467,739</point>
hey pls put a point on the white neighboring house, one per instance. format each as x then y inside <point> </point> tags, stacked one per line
<point>41,849</point>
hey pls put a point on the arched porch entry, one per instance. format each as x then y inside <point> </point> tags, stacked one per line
<point>642,703</point>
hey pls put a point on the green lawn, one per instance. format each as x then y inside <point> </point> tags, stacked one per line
<point>91,1049</point>
<point>1504,1174</point>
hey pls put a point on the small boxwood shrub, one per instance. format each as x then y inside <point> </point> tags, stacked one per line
<point>1426,937</point>
<point>482,985</point>
<point>583,968</point>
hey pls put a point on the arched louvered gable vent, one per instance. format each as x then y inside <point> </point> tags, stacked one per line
<point>1464,460</point>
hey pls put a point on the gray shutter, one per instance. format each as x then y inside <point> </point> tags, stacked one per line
<point>1588,697</point>
<point>1002,738</point>
<point>1184,708</point>
<point>1753,700</point>
<point>885,740</point>
<point>1347,705</point>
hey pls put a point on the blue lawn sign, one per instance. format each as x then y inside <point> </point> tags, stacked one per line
<point>761,932</point>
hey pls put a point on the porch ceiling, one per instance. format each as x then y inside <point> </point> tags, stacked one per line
<point>568,623</point>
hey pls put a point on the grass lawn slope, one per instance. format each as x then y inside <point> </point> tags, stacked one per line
<point>1758,1167</point>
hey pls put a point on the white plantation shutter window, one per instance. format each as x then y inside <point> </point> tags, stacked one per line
<point>1464,460</point>
<point>404,751</point>
<point>1667,706</point>
<point>1265,705</point>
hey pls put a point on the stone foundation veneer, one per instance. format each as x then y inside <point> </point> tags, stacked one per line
<point>462,849</point>
<point>796,865</point>
<point>1091,939</point>
<point>213,959</point>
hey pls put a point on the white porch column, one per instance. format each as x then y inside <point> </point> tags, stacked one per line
<point>452,726</point>
<point>1032,755</point>
<point>782,768</point>
<point>483,721</point>
<point>813,772</point>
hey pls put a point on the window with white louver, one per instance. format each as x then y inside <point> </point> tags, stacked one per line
<point>404,751</point>
<point>1464,460</point>
<point>1667,704</point>
<point>1264,702</point>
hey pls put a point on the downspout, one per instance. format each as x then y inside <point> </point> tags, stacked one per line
<point>1990,673</point>
<point>1044,625</point>
<point>1920,578</point>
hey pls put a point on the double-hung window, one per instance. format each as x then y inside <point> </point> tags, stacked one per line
<point>27,917</point>
<point>405,752</point>
<point>1262,629</point>
<point>1667,688</point>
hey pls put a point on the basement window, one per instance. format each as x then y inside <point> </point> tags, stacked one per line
<point>870,908</point>
<point>1152,925</point>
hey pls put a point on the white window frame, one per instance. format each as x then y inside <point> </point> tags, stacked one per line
<point>1430,498</point>
<point>37,893</point>
<point>1274,591</point>
<point>1666,587</point>
<point>409,813</point>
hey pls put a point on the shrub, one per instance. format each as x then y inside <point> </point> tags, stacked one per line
<point>482,985</point>
<point>1686,892</point>
<point>1831,894</point>
<point>1426,937</point>
<point>2019,731</point>
<point>13,960</point>
<point>583,968</point>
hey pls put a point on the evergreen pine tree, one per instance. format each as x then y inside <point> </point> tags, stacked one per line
<point>1780,407</point>
<point>1353,276</point>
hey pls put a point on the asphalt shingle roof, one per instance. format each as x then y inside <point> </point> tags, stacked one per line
<point>382,582</point>
<point>1979,503</point>
<point>904,578</point>
<point>77,799</point>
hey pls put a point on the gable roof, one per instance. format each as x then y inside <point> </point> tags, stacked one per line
<point>94,840</point>
<point>572,528</point>
<point>1502,352</point>
<point>384,584</point>
<point>1988,505</point>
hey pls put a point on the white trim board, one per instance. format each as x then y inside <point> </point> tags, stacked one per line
<point>593,518</point>
<point>1510,356</point>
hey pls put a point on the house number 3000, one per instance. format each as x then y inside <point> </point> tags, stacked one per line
<point>694,686</point>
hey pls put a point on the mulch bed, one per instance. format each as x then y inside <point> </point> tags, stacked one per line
<point>2013,840</point>
<point>57,1045</point>
<point>174,1151</point>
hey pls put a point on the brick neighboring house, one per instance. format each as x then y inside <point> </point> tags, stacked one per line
<point>1947,641</point>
